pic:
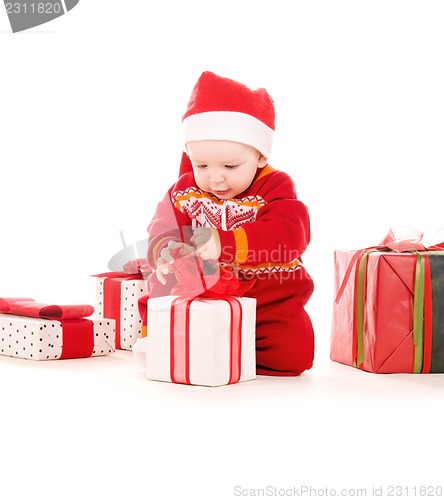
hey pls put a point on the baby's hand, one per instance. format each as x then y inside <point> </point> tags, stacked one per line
<point>173,250</point>
<point>163,268</point>
<point>207,243</point>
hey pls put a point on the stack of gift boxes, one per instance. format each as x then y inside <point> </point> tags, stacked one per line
<point>208,340</point>
<point>388,317</point>
<point>36,331</point>
<point>194,340</point>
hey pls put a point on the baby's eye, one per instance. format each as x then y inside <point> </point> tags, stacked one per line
<point>201,167</point>
<point>231,167</point>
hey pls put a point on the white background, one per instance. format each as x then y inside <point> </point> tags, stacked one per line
<point>90,138</point>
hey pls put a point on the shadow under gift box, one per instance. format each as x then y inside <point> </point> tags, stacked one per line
<point>208,353</point>
<point>389,340</point>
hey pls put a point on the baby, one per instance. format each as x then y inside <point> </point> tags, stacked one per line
<point>232,208</point>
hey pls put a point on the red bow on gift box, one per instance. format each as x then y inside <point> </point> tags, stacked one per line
<point>78,332</point>
<point>33,309</point>
<point>198,278</point>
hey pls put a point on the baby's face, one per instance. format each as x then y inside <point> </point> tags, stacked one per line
<point>224,168</point>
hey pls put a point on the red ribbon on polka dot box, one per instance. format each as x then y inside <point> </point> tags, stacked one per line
<point>117,297</point>
<point>36,331</point>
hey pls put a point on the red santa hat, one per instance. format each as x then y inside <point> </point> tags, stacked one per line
<point>226,110</point>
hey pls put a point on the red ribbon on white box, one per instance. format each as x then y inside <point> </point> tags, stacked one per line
<point>180,339</point>
<point>112,296</point>
<point>78,332</point>
<point>192,284</point>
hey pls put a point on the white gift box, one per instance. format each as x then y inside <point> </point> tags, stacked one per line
<point>44,339</point>
<point>129,326</point>
<point>209,340</point>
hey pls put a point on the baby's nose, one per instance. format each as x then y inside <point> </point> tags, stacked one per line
<point>216,176</point>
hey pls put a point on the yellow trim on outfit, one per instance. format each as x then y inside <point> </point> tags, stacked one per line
<point>241,240</point>
<point>268,169</point>
<point>269,265</point>
<point>195,194</point>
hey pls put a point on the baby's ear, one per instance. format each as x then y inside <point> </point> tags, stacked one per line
<point>261,161</point>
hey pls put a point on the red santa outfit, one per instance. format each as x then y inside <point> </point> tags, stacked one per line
<point>263,231</point>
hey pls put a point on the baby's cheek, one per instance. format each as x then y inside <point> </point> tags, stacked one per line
<point>201,184</point>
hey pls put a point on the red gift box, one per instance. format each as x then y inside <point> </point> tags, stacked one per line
<point>387,311</point>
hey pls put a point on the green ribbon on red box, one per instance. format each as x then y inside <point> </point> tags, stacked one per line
<point>429,312</point>
<point>422,301</point>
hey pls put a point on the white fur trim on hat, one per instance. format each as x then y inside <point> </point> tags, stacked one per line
<point>229,126</point>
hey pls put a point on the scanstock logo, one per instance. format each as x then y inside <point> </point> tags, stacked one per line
<point>27,14</point>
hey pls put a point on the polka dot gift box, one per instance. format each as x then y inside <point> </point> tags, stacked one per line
<point>36,331</point>
<point>117,297</point>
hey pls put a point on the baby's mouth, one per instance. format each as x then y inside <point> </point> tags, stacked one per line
<point>221,193</point>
